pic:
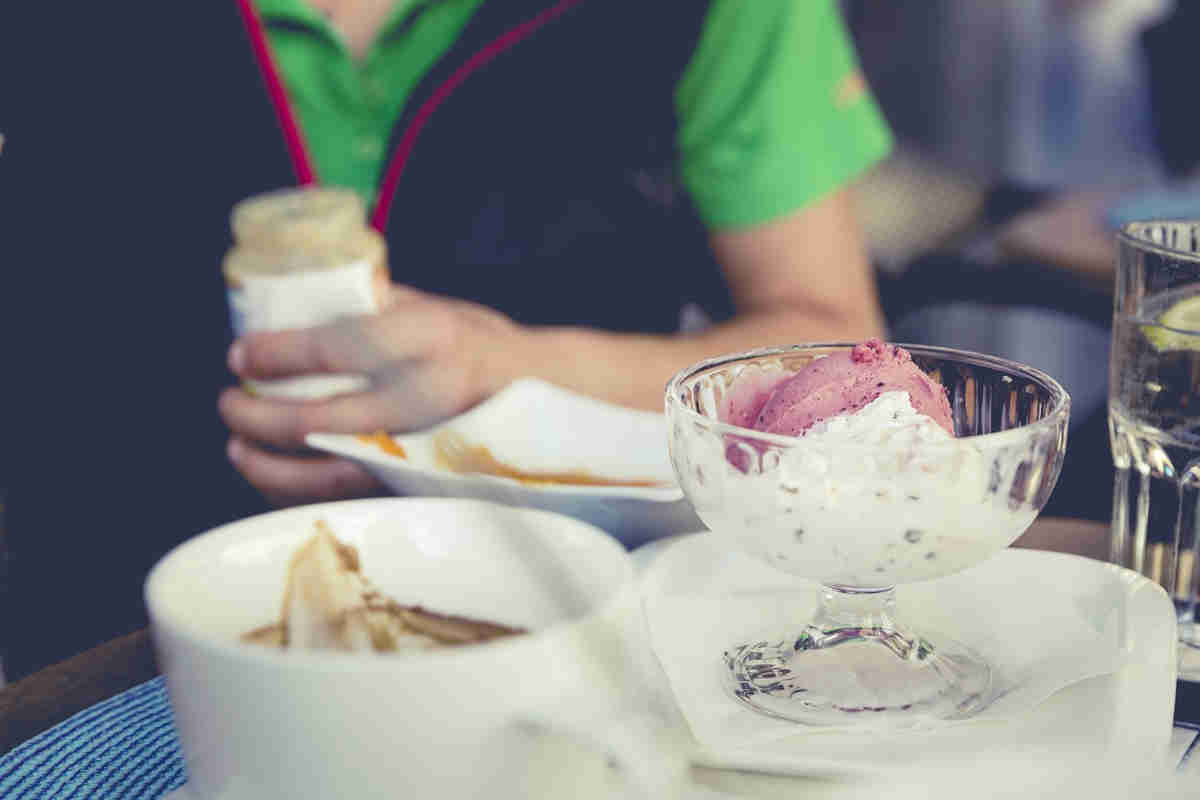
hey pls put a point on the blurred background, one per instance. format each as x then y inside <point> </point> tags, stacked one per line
<point>1026,130</point>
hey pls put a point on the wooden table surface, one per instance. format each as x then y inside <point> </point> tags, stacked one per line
<point>50,696</point>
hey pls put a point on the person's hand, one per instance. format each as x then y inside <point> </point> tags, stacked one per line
<point>427,358</point>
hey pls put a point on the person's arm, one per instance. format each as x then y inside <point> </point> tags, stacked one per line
<point>802,278</point>
<point>775,122</point>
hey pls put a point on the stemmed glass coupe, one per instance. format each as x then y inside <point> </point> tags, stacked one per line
<point>860,518</point>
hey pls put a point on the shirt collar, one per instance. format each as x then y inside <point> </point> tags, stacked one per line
<point>302,13</point>
<point>296,11</point>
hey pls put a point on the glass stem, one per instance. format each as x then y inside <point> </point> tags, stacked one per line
<point>845,608</point>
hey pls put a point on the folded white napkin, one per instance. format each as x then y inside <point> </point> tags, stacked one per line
<point>1043,620</point>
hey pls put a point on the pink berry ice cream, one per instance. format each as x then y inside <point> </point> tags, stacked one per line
<point>838,384</point>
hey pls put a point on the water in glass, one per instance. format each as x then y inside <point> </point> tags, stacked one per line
<point>1154,419</point>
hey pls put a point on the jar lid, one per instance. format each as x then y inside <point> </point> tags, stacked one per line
<point>298,219</point>
<point>254,260</point>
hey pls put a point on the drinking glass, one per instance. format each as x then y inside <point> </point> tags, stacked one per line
<point>1154,415</point>
<point>859,519</point>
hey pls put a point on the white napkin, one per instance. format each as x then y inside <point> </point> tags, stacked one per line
<point>1044,621</point>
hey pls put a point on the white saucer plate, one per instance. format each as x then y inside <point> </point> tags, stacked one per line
<point>1122,714</point>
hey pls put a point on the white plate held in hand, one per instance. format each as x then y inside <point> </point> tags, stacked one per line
<point>536,427</point>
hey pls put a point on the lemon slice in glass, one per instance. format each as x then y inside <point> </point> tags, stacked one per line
<point>1183,316</point>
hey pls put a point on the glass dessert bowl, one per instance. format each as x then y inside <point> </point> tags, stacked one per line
<point>860,502</point>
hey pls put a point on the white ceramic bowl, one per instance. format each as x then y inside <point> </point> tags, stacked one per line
<point>536,426</point>
<point>259,723</point>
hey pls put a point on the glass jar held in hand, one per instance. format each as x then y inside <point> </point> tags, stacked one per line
<point>301,258</point>
<point>325,343</point>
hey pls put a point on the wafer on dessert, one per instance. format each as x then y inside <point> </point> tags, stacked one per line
<point>329,605</point>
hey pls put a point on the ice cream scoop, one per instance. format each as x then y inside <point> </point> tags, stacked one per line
<point>843,383</point>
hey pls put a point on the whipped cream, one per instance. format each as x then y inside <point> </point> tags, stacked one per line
<point>871,498</point>
<point>887,421</point>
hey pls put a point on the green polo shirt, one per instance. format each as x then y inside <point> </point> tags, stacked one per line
<point>773,112</point>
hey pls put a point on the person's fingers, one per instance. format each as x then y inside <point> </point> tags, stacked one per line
<point>289,480</point>
<point>413,326</point>
<point>402,293</point>
<point>410,402</point>
<point>305,351</point>
<point>285,423</point>
<point>270,422</point>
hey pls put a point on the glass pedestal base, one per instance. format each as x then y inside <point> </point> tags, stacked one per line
<point>854,665</point>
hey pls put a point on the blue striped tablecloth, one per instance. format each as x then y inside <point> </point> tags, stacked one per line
<point>123,747</point>
<point>126,747</point>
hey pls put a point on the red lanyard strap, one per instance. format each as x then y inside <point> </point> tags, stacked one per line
<point>510,38</point>
<point>302,162</point>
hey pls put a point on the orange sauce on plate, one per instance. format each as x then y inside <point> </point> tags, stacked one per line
<point>457,455</point>
<point>384,442</point>
<point>454,454</point>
